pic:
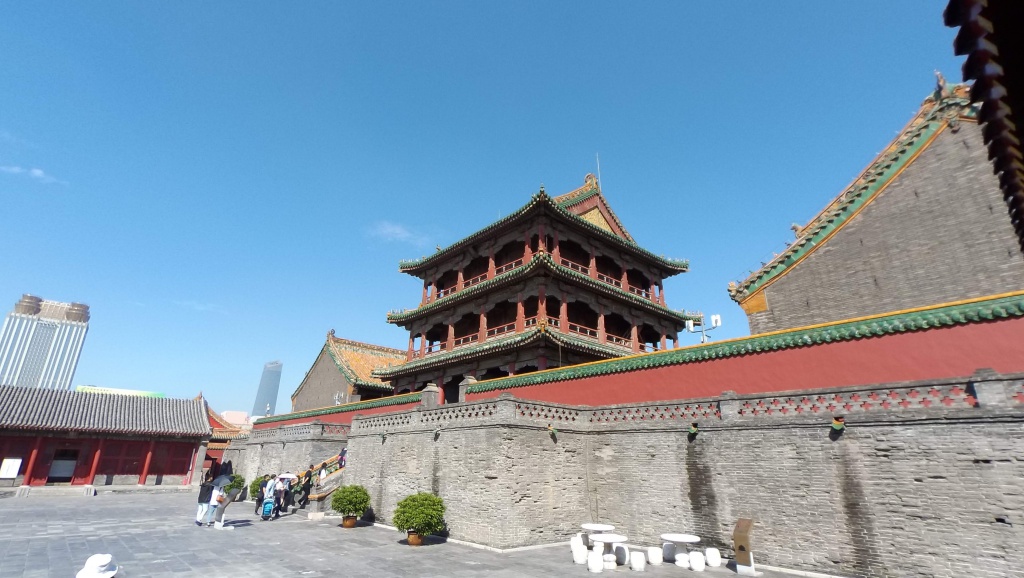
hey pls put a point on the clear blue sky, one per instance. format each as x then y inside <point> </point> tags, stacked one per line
<point>223,183</point>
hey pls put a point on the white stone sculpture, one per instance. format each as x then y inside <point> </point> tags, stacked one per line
<point>714,557</point>
<point>594,562</point>
<point>696,561</point>
<point>655,555</point>
<point>609,561</point>
<point>682,560</point>
<point>621,554</point>
<point>579,551</point>
<point>668,551</point>
<point>637,561</point>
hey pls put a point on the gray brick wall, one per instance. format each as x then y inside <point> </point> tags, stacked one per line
<point>320,384</point>
<point>913,488</point>
<point>938,233</point>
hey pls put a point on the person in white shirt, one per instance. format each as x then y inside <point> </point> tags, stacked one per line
<point>216,497</point>
<point>278,497</point>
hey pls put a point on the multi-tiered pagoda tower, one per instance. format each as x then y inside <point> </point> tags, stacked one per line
<point>556,283</point>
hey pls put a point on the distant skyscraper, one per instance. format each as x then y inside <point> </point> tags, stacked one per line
<point>41,341</point>
<point>267,394</point>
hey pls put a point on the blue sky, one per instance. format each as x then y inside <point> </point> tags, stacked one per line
<point>224,183</point>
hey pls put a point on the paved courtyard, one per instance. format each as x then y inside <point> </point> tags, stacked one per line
<point>155,535</point>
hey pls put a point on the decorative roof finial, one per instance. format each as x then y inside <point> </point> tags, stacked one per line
<point>941,86</point>
<point>542,188</point>
<point>796,229</point>
<point>330,334</point>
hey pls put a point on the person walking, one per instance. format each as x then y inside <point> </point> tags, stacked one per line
<point>217,497</point>
<point>278,485</point>
<point>307,487</point>
<point>262,493</point>
<point>205,491</point>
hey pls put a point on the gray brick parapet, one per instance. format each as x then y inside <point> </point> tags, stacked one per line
<point>924,481</point>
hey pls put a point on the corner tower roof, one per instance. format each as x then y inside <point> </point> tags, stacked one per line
<point>585,208</point>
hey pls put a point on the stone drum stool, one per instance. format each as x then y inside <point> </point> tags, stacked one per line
<point>654,555</point>
<point>636,561</point>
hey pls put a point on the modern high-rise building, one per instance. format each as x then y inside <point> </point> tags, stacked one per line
<point>41,341</point>
<point>266,396</point>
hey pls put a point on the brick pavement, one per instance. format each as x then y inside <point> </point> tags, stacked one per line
<point>154,535</point>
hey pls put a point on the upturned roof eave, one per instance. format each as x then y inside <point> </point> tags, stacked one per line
<point>540,262</point>
<point>541,201</point>
<point>527,337</point>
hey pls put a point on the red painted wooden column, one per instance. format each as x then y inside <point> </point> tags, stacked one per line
<point>542,304</point>
<point>460,281</point>
<point>423,344</point>
<point>661,293</point>
<point>96,456</point>
<point>482,336</point>
<point>652,295</point>
<point>624,280</point>
<point>520,316</point>
<point>542,244</point>
<point>563,316</point>
<point>600,326</point>
<point>32,457</point>
<point>593,265</point>
<point>451,337</point>
<point>412,339</point>
<point>426,285</point>
<point>555,252</point>
<point>145,465</point>
<point>664,342</point>
<point>635,336</point>
<point>490,265</point>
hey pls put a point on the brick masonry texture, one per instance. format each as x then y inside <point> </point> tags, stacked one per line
<point>925,481</point>
<point>320,385</point>
<point>937,233</point>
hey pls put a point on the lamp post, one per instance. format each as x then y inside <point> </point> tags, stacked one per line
<point>692,326</point>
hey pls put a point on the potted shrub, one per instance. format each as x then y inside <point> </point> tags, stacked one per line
<point>235,487</point>
<point>420,515</point>
<point>254,487</point>
<point>351,502</point>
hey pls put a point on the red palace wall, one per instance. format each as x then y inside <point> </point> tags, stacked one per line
<point>955,351</point>
<point>122,461</point>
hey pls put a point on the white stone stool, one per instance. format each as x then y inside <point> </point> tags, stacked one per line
<point>668,551</point>
<point>636,561</point>
<point>682,560</point>
<point>654,555</point>
<point>696,561</point>
<point>609,561</point>
<point>621,552</point>
<point>579,551</point>
<point>594,562</point>
<point>714,557</point>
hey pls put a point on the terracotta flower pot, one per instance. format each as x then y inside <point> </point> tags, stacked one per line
<point>414,538</point>
<point>348,521</point>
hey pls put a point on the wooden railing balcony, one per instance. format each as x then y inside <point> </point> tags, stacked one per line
<point>640,292</point>
<point>647,347</point>
<point>575,266</point>
<point>609,280</point>
<point>616,340</point>
<point>582,330</point>
<point>471,338</point>
<point>508,266</point>
<point>442,292</point>
<point>474,281</point>
<point>434,348</point>
<point>501,329</point>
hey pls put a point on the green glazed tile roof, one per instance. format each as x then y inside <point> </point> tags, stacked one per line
<point>976,311</point>
<point>498,344</point>
<point>539,262</point>
<point>912,140</point>
<point>541,202</point>
<point>344,408</point>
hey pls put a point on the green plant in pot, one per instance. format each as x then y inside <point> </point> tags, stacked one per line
<point>254,487</point>
<point>420,515</point>
<point>351,502</point>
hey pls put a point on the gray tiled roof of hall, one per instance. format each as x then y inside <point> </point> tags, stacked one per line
<point>25,408</point>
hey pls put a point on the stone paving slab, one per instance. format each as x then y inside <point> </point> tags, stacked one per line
<point>154,535</point>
